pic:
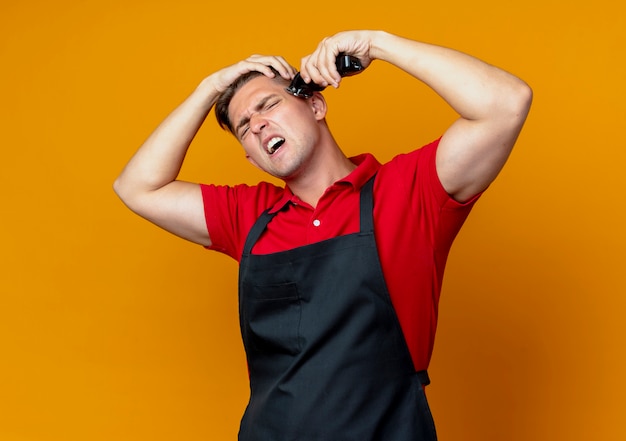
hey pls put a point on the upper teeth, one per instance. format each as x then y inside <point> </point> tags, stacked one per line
<point>274,143</point>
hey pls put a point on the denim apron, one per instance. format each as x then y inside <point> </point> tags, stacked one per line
<point>325,351</point>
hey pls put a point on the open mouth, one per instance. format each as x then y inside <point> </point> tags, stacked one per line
<point>274,144</point>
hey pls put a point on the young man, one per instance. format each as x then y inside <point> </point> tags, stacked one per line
<point>340,270</point>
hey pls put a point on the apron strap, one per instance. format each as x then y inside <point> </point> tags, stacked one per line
<point>367,226</point>
<point>256,231</point>
<point>366,217</point>
<point>367,206</point>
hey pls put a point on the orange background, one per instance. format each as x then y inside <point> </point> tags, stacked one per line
<point>111,329</point>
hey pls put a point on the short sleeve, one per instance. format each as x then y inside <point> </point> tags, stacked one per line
<point>230,212</point>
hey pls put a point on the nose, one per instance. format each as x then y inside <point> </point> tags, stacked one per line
<point>257,123</point>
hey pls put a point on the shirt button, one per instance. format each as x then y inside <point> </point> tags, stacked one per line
<point>316,222</point>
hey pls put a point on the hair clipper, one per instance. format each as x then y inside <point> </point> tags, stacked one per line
<point>346,65</point>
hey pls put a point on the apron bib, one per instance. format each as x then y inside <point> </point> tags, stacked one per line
<point>325,351</point>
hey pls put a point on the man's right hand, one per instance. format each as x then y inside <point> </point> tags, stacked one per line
<point>148,184</point>
<point>260,63</point>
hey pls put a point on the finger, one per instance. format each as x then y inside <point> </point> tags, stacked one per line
<point>315,75</point>
<point>312,68</point>
<point>262,63</point>
<point>327,64</point>
<point>305,65</point>
<point>290,71</point>
<point>285,69</point>
<point>321,64</point>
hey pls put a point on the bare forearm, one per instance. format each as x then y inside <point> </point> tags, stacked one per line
<point>492,103</point>
<point>474,89</point>
<point>159,159</point>
<point>148,184</point>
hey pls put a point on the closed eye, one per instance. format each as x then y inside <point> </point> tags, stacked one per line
<point>243,131</point>
<point>272,104</point>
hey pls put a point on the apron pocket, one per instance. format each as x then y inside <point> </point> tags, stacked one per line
<point>272,318</point>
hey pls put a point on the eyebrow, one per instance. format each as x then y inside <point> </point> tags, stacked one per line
<point>246,119</point>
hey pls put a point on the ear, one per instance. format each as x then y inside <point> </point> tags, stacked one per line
<point>318,104</point>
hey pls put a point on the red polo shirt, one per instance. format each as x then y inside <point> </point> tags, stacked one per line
<point>415,222</point>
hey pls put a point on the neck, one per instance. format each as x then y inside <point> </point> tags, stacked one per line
<point>311,185</point>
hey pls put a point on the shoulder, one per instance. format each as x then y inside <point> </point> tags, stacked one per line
<point>412,173</point>
<point>261,194</point>
<point>230,212</point>
<point>409,186</point>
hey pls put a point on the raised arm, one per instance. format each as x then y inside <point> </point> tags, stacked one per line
<point>148,184</point>
<point>492,104</point>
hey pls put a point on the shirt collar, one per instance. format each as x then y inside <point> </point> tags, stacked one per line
<point>366,166</point>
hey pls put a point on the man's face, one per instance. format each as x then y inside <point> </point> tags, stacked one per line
<point>277,130</point>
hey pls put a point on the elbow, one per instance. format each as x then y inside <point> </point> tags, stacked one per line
<point>522,98</point>
<point>122,190</point>
<point>510,110</point>
<point>118,187</point>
